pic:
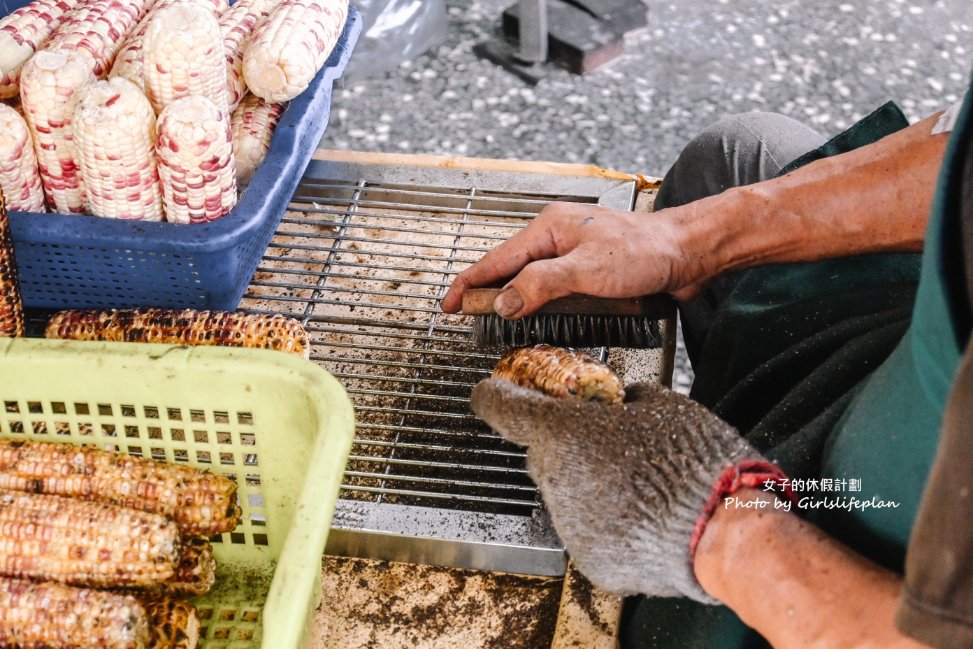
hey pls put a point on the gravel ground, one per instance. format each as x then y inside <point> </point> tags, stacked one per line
<point>826,63</point>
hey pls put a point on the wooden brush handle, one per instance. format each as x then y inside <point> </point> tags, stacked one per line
<point>479,301</point>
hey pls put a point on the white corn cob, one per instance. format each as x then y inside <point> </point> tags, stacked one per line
<point>183,56</point>
<point>48,87</point>
<point>195,161</point>
<point>97,30</point>
<point>253,124</point>
<point>19,180</point>
<point>291,45</point>
<point>114,135</point>
<point>23,31</point>
<point>128,63</point>
<point>237,26</point>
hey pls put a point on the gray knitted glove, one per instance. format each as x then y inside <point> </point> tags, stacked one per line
<point>629,486</point>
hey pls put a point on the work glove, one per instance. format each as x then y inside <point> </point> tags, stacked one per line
<point>629,487</point>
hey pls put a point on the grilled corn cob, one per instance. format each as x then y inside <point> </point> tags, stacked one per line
<point>183,56</point>
<point>291,45</point>
<point>173,623</point>
<point>183,327</point>
<point>84,543</point>
<point>19,178</point>
<point>200,503</point>
<point>114,135</point>
<point>253,125</point>
<point>97,31</point>
<point>49,85</point>
<point>11,308</point>
<point>196,165</point>
<point>42,614</point>
<point>237,26</point>
<point>195,571</point>
<point>561,373</point>
<point>129,62</point>
<point>24,30</point>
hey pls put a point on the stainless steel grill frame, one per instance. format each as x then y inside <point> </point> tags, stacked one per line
<point>362,257</point>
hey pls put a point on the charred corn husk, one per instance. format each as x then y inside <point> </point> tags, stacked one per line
<point>11,308</point>
<point>291,45</point>
<point>237,26</point>
<point>183,56</point>
<point>49,88</point>
<point>253,125</point>
<point>129,62</point>
<point>561,373</point>
<point>84,543</point>
<point>19,179</point>
<point>97,31</point>
<point>196,164</point>
<point>195,571</point>
<point>183,327</point>
<point>114,135</point>
<point>43,614</point>
<point>173,623</point>
<point>24,30</point>
<point>200,503</point>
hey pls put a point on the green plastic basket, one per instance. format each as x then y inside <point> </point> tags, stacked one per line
<point>280,426</point>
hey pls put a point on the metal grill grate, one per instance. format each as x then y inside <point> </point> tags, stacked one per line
<point>362,257</point>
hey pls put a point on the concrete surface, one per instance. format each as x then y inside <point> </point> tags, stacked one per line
<point>826,63</point>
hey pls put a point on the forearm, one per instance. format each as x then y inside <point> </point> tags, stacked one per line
<point>793,584</point>
<point>872,199</point>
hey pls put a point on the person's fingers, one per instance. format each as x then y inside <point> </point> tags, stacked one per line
<point>647,391</point>
<point>537,284</point>
<point>671,411</point>
<point>504,261</point>
<point>521,415</point>
<point>536,241</point>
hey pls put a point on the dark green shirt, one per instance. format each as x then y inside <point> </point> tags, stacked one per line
<point>840,371</point>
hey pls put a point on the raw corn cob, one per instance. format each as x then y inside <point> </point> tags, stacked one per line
<point>183,327</point>
<point>291,45</point>
<point>24,30</point>
<point>11,308</point>
<point>183,56</point>
<point>237,26</point>
<point>560,373</point>
<point>173,623</point>
<point>253,124</point>
<point>114,135</point>
<point>97,31</point>
<point>49,86</point>
<point>129,61</point>
<point>84,543</point>
<point>200,503</point>
<point>196,165</point>
<point>43,614</point>
<point>19,178</point>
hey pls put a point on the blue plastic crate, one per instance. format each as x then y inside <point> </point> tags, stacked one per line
<point>91,262</point>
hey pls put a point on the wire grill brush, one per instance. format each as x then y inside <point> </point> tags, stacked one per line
<point>572,321</point>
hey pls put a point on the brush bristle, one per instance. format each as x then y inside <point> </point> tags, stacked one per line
<point>633,332</point>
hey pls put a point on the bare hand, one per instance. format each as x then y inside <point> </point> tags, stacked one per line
<point>577,248</point>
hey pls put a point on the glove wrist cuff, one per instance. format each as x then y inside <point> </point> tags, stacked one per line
<point>744,474</point>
